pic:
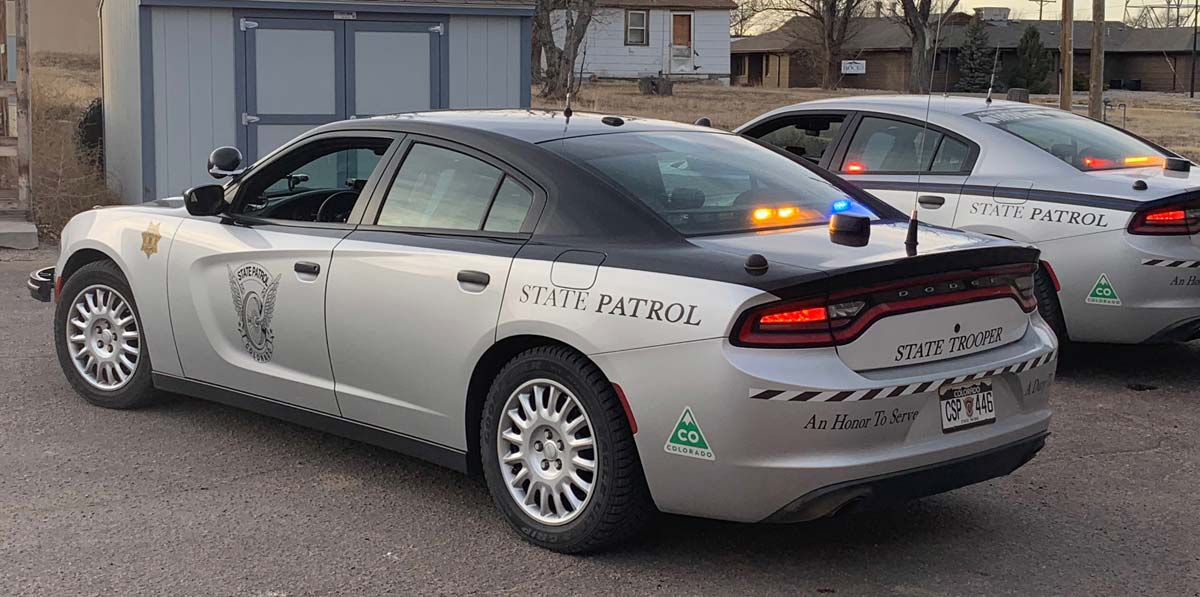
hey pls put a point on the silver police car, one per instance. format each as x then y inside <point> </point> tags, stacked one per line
<point>1117,217</point>
<point>601,316</point>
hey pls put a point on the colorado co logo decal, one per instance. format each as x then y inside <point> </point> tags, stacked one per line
<point>253,290</point>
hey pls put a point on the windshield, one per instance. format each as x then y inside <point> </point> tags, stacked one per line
<point>1078,141</point>
<point>709,183</point>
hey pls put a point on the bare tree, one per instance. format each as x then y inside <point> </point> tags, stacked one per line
<point>823,27</point>
<point>742,17</point>
<point>576,15</point>
<point>916,17</point>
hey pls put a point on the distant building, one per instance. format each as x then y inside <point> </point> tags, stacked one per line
<point>1135,58</point>
<point>633,38</point>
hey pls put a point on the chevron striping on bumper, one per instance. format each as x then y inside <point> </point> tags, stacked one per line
<point>1185,263</point>
<point>894,391</point>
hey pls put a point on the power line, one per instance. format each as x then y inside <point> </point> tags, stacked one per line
<point>1042,6</point>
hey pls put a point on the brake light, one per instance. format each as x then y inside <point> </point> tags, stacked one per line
<point>843,316</point>
<point>855,168</point>
<point>1179,219</point>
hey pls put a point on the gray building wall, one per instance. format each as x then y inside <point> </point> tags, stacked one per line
<point>485,56</point>
<point>121,55</point>
<point>194,105</point>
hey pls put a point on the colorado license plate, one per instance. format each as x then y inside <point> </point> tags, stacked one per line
<point>967,405</point>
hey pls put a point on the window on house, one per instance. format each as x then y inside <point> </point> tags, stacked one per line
<point>637,32</point>
<point>766,64</point>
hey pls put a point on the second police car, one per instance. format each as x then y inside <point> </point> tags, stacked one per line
<point>1116,217</point>
<point>602,317</point>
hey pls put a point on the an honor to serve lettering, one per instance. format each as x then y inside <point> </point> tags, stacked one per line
<point>951,345</point>
<point>607,304</point>
<point>1039,214</point>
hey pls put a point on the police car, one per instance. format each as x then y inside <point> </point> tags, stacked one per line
<point>1116,217</point>
<point>601,316</point>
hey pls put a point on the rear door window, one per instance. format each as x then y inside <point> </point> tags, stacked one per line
<point>882,145</point>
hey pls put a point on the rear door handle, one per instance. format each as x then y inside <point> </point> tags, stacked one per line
<point>307,267</point>
<point>473,277</point>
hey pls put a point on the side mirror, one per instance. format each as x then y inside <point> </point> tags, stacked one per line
<point>206,200</point>
<point>225,161</point>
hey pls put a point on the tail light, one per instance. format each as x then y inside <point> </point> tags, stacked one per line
<point>1168,220</point>
<point>843,316</point>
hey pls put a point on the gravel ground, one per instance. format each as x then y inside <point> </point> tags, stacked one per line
<point>194,498</point>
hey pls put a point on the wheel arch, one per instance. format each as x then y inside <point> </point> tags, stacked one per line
<point>85,255</point>
<point>486,369</point>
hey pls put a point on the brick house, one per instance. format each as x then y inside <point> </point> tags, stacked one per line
<point>1135,58</point>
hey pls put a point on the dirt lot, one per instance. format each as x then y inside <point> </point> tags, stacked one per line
<point>1172,120</point>
<point>194,498</point>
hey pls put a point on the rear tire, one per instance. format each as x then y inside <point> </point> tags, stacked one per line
<point>543,403</point>
<point>1048,305</point>
<point>100,341</point>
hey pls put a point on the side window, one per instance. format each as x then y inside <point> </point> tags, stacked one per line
<point>509,209</point>
<point>881,145</point>
<point>316,182</point>
<point>636,28</point>
<point>444,189</point>
<point>951,156</point>
<point>806,136</point>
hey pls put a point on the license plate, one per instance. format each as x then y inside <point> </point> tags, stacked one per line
<point>967,405</point>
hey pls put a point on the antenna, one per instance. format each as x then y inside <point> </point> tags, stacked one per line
<point>992,82</point>
<point>910,241</point>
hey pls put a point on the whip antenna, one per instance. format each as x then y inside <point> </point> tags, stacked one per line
<point>910,241</point>
<point>992,82</point>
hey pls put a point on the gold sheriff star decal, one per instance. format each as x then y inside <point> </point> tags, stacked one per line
<point>150,239</point>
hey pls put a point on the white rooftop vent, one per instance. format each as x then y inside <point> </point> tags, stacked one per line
<point>992,13</point>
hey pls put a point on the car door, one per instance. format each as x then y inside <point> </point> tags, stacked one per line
<point>899,160</point>
<point>414,293</point>
<point>247,289</point>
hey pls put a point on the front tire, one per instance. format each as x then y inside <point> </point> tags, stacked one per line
<point>558,454</point>
<point>99,339</point>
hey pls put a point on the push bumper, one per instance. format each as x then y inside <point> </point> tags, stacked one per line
<point>880,492</point>
<point>41,284</point>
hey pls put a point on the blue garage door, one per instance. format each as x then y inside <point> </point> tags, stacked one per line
<point>300,73</point>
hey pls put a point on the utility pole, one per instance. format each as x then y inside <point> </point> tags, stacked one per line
<point>1096,79</point>
<point>1195,34</point>
<point>1066,53</point>
<point>1041,6</point>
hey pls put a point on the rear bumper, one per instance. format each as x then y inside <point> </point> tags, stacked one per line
<point>41,284</point>
<point>882,491</point>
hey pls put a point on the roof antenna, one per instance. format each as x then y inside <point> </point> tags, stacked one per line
<point>992,83</point>
<point>910,241</point>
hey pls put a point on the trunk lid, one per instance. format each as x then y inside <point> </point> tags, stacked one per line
<point>961,294</point>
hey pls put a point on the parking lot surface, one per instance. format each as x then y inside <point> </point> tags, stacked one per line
<point>193,498</point>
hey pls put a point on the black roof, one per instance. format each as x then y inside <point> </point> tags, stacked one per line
<point>531,126</point>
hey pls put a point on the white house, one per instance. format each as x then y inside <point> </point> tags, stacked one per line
<point>633,38</point>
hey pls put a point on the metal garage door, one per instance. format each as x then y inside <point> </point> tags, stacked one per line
<point>300,73</point>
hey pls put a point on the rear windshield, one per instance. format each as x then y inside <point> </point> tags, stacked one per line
<point>711,183</point>
<point>1078,141</point>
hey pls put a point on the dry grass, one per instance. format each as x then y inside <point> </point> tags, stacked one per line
<point>1172,120</point>
<point>64,180</point>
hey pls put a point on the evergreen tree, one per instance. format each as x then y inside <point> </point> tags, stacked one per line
<point>975,59</point>
<point>1033,63</point>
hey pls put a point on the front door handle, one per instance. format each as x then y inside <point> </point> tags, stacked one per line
<point>307,267</point>
<point>473,277</point>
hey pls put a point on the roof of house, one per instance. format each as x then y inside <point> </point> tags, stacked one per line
<point>881,33</point>
<point>664,4</point>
